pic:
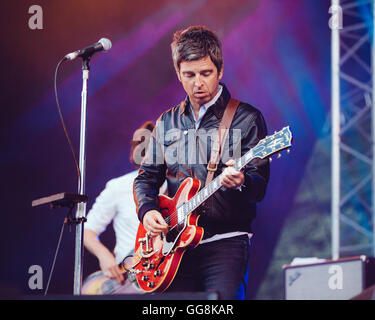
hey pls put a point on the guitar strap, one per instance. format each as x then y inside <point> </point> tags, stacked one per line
<point>222,132</point>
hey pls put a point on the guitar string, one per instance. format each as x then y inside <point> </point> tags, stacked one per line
<point>174,215</point>
<point>238,165</point>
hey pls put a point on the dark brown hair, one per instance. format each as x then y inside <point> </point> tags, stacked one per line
<point>145,131</point>
<point>195,43</point>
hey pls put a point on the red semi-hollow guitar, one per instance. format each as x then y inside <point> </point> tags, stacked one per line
<point>160,257</point>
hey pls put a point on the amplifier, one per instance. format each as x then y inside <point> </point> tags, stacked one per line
<point>339,279</point>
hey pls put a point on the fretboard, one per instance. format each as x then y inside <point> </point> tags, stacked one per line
<point>212,187</point>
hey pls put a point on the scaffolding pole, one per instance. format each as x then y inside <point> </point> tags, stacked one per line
<point>373,126</point>
<point>352,115</point>
<point>335,118</point>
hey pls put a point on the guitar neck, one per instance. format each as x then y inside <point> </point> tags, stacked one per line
<point>213,186</point>
<point>269,145</point>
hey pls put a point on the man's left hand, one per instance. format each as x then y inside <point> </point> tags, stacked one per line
<point>232,178</point>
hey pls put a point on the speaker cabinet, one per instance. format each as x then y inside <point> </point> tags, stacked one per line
<point>340,279</point>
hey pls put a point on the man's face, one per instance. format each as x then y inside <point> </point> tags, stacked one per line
<point>200,79</point>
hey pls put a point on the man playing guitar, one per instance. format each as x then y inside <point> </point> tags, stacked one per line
<point>179,149</point>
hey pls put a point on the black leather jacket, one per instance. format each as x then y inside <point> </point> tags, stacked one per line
<point>227,210</point>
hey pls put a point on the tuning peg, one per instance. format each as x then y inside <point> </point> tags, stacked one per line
<point>270,159</point>
<point>288,151</point>
<point>278,155</point>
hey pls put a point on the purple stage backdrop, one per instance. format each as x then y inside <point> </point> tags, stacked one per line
<point>276,57</point>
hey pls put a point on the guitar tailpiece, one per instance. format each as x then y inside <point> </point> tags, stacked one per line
<point>135,271</point>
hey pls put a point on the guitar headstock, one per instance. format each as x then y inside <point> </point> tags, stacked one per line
<point>280,140</point>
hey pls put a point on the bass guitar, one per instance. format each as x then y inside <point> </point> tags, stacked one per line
<point>159,257</point>
<point>98,283</point>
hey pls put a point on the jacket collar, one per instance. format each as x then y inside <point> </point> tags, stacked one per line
<point>217,108</point>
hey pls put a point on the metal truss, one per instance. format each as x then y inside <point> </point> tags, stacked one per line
<point>353,123</point>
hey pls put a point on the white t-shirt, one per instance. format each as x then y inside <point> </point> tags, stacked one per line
<point>116,203</point>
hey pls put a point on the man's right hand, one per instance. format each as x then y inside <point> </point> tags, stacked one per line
<point>154,223</point>
<point>109,267</point>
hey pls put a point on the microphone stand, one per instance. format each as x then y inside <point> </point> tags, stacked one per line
<point>81,207</point>
<point>70,200</point>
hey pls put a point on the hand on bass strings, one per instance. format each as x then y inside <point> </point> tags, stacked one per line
<point>110,268</point>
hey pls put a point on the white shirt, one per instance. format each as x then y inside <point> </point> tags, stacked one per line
<point>116,203</point>
<point>203,109</point>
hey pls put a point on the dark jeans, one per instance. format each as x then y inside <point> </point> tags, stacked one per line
<point>220,266</point>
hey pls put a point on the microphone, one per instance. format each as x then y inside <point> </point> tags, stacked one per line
<point>102,44</point>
